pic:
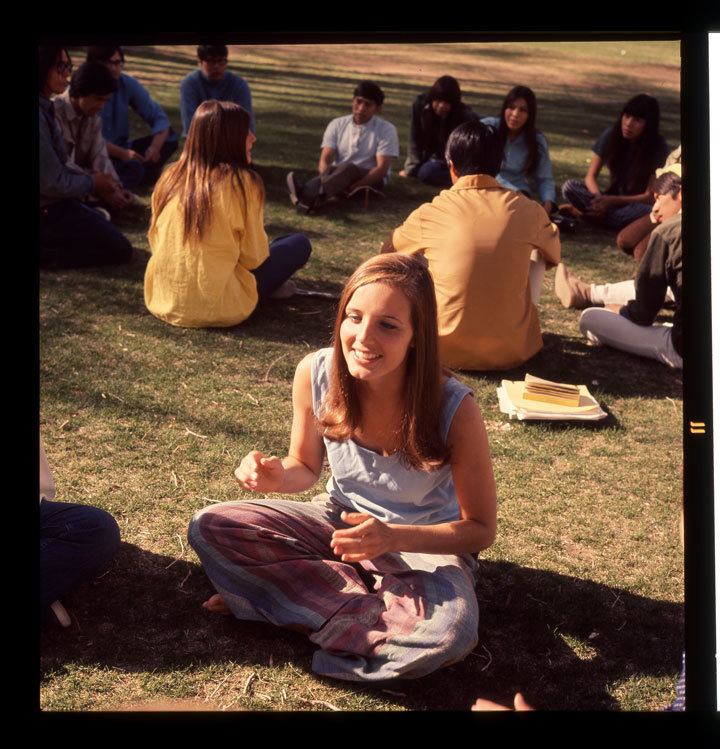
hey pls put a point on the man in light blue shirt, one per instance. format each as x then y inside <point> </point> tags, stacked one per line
<point>213,81</point>
<point>137,162</point>
<point>356,153</point>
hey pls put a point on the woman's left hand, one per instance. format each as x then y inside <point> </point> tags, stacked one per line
<point>369,538</point>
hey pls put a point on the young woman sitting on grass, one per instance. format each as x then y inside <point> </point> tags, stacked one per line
<point>632,149</point>
<point>211,263</point>
<point>379,571</point>
<point>526,156</point>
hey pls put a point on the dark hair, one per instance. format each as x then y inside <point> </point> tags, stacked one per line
<point>641,167</point>
<point>92,78</point>
<point>214,150</point>
<point>446,88</point>
<point>515,93</point>
<point>205,51</point>
<point>47,57</point>
<point>370,90</point>
<point>421,445</point>
<point>475,148</point>
<point>103,54</point>
<point>668,182</point>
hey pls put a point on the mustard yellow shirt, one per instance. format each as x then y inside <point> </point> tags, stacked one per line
<point>208,284</point>
<point>477,238</point>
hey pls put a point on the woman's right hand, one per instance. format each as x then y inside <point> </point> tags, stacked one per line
<point>260,473</point>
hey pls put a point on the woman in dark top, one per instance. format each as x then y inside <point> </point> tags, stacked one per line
<point>631,149</point>
<point>435,115</point>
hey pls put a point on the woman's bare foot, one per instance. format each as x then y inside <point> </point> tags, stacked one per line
<point>519,704</point>
<point>216,605</point>
<point>285,290</point>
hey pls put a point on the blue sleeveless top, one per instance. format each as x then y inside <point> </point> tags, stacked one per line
<point>381,485</point>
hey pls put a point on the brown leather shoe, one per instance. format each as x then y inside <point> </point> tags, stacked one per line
<point>570,290</point>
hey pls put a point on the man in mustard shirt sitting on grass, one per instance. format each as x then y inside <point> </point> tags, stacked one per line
<point>487,249</point>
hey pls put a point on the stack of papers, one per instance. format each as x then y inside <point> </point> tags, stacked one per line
<point>516,406</point>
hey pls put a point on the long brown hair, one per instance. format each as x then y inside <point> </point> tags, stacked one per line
<point>215,149</point>
<point>421,444</point>
<point>515,93</point>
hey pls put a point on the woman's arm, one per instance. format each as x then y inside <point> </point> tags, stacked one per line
<point>544,178</point>
<point>592,173</point>
<point>302,466</point>
<point>475,488</point>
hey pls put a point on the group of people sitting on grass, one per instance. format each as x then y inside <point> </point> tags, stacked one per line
<point>379,569</point>
<point>485,239</point>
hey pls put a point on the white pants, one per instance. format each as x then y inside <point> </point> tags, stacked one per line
<point>618,293</point>
<point>652,341</point>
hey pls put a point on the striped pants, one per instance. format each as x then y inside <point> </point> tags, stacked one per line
<point>401,615</point>
<point>576,193</point>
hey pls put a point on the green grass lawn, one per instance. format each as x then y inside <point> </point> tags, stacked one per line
<point>581,594</point>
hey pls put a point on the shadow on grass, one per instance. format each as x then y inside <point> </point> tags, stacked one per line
<point>605,371</point>
<point>561,640</point>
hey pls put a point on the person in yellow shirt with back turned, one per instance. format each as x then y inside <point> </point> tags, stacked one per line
<point>487,249</point>
<point>211,262</point>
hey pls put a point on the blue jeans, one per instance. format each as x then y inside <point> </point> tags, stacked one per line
<point>73,236</point>
<point>287,255</point>
<point>575,192</point>
<point>434,172</point>
<point>133,173</point>
<point>76,542</point>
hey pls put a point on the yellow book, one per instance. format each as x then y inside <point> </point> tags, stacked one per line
<point>515,392</point>
<point>559,399</point>
<point>537,389</point>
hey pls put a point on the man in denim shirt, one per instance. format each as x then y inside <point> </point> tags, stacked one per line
<point>137,162</point>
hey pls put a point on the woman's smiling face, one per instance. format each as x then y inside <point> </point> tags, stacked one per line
<point>376,332</point>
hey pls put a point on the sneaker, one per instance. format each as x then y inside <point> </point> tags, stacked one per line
<point>285,290</point>
<point>62,616</point>
<point>570,290</point>
<point>303,208</point>
<point>294,188</point>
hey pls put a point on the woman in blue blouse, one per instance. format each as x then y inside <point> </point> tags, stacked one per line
<point>527,159</point>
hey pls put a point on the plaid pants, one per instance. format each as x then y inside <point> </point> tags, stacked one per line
<point>575,192</point>
<point>401,615</point>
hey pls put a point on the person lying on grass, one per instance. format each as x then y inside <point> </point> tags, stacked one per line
<point>379,570</point>
<point>211,263</point>
<point>637,303</point>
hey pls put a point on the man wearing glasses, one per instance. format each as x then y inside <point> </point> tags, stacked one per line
<point>213,81</point>
<point>137,162</point>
